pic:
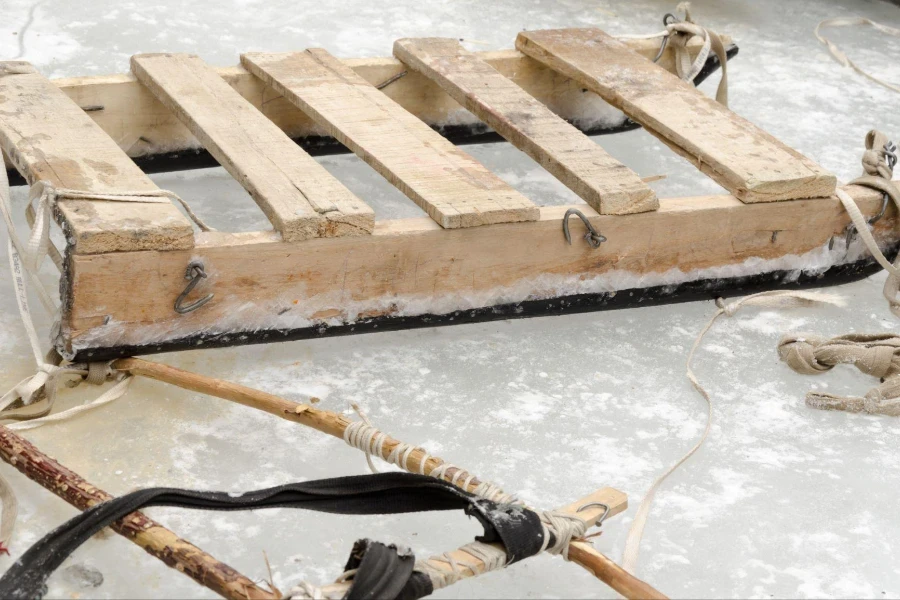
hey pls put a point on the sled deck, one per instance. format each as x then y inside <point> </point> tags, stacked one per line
<point>138,278</point>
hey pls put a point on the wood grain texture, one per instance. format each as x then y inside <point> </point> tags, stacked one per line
<point>607,185</point>
<point>48,137</point>
<point>297,194</point>
<point>451,186</point>
<point>141,125</point>
<point>136,527</point>
<point>745,160</point>
<point>261,283</point>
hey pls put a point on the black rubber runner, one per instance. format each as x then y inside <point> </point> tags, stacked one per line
<point>387,573</point>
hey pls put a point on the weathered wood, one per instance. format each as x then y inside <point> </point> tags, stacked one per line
<point>335,424</point>
<point>142,125</point>
<point>750,163</point>
<point>297,194</point>
<point>155,539</point>
<point>451,186</point>
<point>412,265</point>
<point>607,185</point>
<point>48,137</point>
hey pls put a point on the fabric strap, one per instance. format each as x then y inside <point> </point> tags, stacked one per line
<point>517,528</point>
<point>841,57</point>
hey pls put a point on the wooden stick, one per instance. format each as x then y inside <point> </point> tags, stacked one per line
<point>137,527</point>
<point>470,566</point>
<point>334,424</point>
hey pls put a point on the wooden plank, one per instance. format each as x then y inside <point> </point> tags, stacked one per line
<point>451,186</point>
<point>48,137</point>
<point>300,198</point>
<point>750,163</point>
<point>142,126</point>
<point>583,166</point>
<point>412,266</point>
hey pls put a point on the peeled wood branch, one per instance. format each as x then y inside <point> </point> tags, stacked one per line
<point>334,424</point>
<point>158,541</point>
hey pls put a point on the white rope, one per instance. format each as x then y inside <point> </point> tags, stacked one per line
<point>772,299</point>
<point>841,57</point>
<point>362,435</point>
<point>563,527</point>
<point>25,260</point>
<point>679,33</point>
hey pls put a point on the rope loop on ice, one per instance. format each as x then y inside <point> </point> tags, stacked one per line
<point>841,57</point>
<point>771,299</point>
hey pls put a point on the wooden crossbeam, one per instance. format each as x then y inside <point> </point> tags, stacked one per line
<point>452,187</point>
<point>300,198</point>
<point>750,163</point>
<point>265,286</point>
<point>48,137</point>
<point>603,182</point>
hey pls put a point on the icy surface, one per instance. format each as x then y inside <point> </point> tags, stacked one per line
<point>783,501</point>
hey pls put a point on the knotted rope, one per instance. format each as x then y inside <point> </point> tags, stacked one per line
<point>841,57</point>
<point>678,34</point>
<point>773,299</point>
<point>875,354</point>
<point>25,260</point>
<point>878,162</point>
<point>362,435</point>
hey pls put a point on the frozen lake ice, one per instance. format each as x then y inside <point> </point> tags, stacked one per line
<point>783,501</point>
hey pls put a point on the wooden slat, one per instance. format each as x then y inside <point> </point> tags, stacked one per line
<point>412,266</point>
<point>142,126</point>
<point>582,165</point>
<point>48,137</point>
<point>750,163</point>
<point>452,187</point>
<point>300,198</point>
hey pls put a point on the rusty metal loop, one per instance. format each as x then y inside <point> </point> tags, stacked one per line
<point>594,238</point>
<point>194,273</point>
<point>602,517</point>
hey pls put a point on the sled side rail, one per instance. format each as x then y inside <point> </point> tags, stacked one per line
<point>49,138</point>
<point>751,164</point>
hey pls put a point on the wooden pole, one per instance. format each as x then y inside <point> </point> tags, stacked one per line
<point>334,424</point>
<point>158,541</point>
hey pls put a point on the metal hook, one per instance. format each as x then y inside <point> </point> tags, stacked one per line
<point>665,38</point>
<point>593,237</point>
<point>602,517</point>
<point>194,273</point>
<point>890,154</point>
<point>851,227</point>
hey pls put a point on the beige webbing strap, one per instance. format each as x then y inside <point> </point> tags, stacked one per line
<point>878,171</point>
<point>841,57</point>
<point>773,299</point>
<point>874,354</point>
<point>679,33</point>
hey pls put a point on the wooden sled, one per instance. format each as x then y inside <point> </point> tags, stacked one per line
<point>484,251</point>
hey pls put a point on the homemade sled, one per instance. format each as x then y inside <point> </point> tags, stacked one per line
<point>137,278</point>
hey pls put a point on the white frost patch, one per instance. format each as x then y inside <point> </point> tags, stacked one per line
<point>526,407</point>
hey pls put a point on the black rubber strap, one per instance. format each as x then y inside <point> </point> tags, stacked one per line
<point>516,528</point>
